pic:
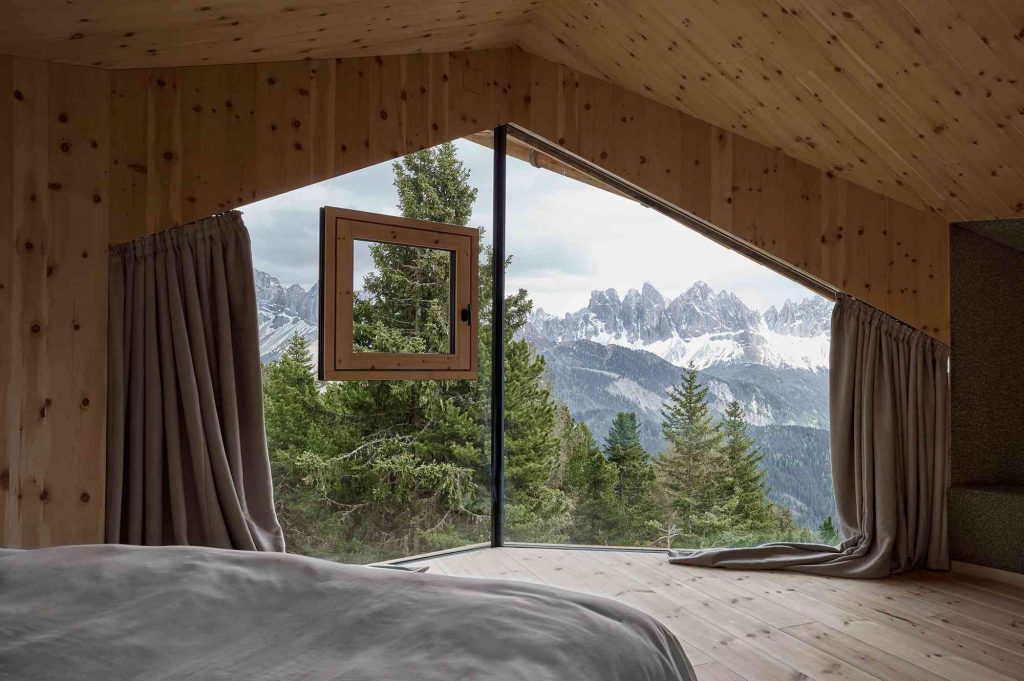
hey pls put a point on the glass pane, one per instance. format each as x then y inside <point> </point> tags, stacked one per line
<point>661,389</point>
<point>403,299</point>
<point>366,471</point>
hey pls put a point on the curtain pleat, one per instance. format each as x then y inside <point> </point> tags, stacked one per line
<point>889,406</point>
<point>187,459</point>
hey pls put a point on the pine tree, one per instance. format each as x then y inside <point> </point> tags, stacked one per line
<point>693,459</point>
<point>590,484</point>
<point>384,468</point>
<point>433,184</point>
<point>635,480</point>
<point>686,416</point>
<point>535,509</point>
<point>290,397</point>
<point>404,306</point>
<point>828,533</point>
<point>743,478</point>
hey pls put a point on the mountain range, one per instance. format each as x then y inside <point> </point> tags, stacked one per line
<point>621,353</point>
<point>284,312</point>
<point>699,326</point>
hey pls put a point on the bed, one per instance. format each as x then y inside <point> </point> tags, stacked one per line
<point>169,613</point>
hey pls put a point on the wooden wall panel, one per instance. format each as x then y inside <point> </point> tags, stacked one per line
<point>221,136</point>
<point>9,351</point>
<point>138,151</point>
<point>920,100</point>
<point>56,131</point>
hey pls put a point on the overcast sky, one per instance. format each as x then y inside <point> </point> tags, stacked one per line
<point>566,238</point>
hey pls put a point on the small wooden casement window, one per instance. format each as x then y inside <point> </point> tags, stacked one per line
<point>398,298</point>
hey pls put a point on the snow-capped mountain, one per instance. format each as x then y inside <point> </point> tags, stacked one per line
<point>283,312</point>
<point>700,326</point>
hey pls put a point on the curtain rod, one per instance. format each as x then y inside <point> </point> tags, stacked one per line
<point>688,219</point>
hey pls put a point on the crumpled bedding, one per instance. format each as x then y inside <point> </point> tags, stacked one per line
<point>108,612</point>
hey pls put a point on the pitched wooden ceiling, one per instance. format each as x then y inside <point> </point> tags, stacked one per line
<point>922,100</point>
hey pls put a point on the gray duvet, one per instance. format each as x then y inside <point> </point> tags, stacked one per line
<point>116,612</point>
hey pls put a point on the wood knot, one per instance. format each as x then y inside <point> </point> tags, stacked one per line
<point>96,198</point>
<point>35,328</point>
<point>65,147</point>
<point>85,402</point>
<point>85,497</point>
<point>18,95</point>
<point>5,479</point>
<point>168,156</point>
<point>44,494</point>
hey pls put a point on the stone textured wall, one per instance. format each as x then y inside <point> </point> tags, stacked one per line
<point>987,317</point>
<point>987,338</point>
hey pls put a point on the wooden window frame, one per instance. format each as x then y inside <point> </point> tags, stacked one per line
<point>339,229</point>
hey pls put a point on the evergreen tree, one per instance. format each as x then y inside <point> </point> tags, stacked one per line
<point>635,480</point>
<point>590,483</point>
<point>693,460</point>
<point>686,417</point>
<point>535,509</point>
<point>828,533</point>
<point>345,493</point>
<point>390,467</point>
<point>743,478</point>
<point>290,397</point>
<point>433,185</point>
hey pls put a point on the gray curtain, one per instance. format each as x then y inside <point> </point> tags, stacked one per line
<point>187,458</point>
<point>889,404</point>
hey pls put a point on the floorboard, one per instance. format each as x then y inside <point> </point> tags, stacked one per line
<point>766,626</point>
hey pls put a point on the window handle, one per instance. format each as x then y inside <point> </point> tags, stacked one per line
<point>467,313</point>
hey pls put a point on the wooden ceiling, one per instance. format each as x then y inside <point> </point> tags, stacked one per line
<point>921,100</point>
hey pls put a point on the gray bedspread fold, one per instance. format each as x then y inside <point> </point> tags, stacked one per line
<point>116,612</point>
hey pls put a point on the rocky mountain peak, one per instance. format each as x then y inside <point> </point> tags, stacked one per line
<point>702,325</point>
<point>270,292</point>
<point>699,291</point>
<point>284,312</point>
<point>651,296</point>
<point>808,317</point>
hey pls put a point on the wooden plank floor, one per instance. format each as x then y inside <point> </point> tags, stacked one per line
<point>767,626</point>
